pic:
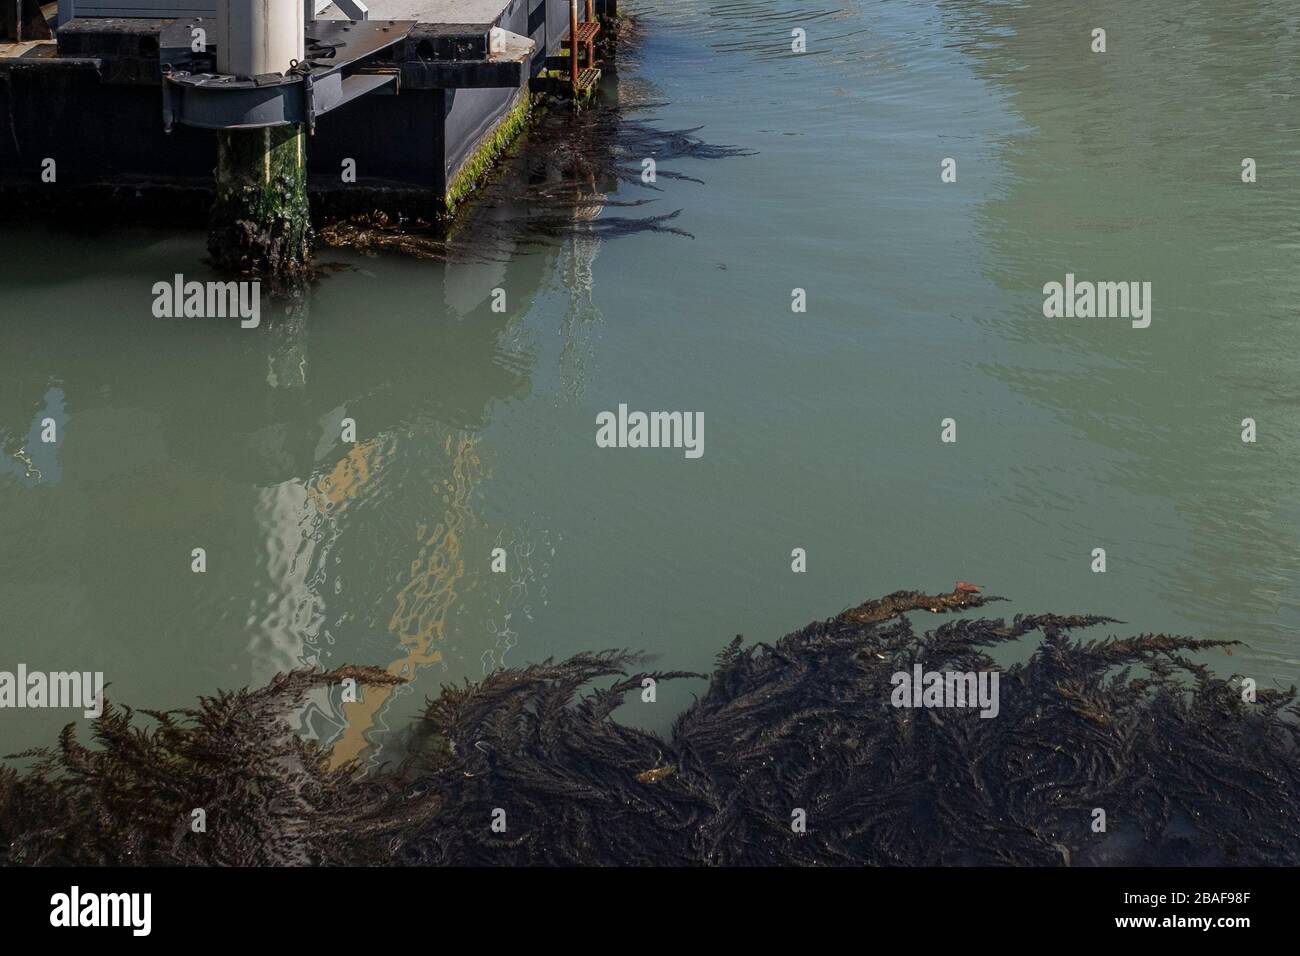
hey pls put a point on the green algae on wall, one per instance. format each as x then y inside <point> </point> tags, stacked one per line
<point>472,171</point>
<point>261,220</point>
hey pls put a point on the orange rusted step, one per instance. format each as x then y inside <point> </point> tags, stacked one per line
<point>586,32</point>
<point>587,79</point>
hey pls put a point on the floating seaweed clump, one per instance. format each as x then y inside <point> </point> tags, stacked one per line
<point>805,729</point>
<point>266,796</point>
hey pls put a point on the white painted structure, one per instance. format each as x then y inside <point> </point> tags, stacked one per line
<point>259,36</point>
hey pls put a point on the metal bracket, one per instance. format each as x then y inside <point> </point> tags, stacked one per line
<point>341,64</point>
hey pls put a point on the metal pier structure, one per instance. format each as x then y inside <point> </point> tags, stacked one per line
<point>405,92</point>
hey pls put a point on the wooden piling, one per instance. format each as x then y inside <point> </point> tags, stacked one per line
<point>261,220</point>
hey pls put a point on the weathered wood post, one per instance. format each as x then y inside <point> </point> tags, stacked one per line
<point>261,221</point>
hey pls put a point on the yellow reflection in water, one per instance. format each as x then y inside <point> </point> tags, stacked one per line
<point>347,478</point>
<point>420,620</point>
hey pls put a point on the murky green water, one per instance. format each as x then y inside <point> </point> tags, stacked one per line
<point>476,429</point>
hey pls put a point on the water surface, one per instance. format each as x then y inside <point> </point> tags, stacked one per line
<point>476,429</point>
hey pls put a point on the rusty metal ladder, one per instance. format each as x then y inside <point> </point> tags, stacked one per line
<point>581,39</point>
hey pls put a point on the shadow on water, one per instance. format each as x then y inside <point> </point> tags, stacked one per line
<point>560,180</point>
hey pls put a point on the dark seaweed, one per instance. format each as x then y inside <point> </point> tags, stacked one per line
<point>1186,771</point>
<point>268,794</point>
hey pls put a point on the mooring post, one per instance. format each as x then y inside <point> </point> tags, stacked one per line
<point>573,45</point>
<point>591,44</point>
<point>261,221</point>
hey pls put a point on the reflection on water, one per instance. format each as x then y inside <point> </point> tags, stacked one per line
<point>420,620</point>
<point>35,457</point>
<point>475,427</point>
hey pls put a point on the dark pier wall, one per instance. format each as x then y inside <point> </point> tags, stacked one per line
<point>96,131</point>
<point>472,114</point>
<point>96,109</point>
<point>398,144</point>
<point>92,130</point>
